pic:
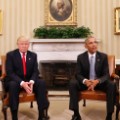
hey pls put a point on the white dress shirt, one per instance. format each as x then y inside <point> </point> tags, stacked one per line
<point>89,56</point>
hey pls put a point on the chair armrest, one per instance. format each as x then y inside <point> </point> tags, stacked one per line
<point>2,76</point>
<point>115,77</point>
<point>2,85</point>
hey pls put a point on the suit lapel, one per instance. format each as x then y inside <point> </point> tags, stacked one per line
<point>97,61</point>
<point>87,61</point>
<point>28,61</point>
<point>19,60</point>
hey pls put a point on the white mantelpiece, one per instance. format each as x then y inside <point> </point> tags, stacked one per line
<point>57,49</point>
<point>57,40</point>
<point>117,61</point>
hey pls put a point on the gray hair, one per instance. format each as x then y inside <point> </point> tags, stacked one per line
<point>89,37</point>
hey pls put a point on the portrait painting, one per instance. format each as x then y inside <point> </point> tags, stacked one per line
<point>117,20</point>
<point>60,12</point>
<point>60,9</point>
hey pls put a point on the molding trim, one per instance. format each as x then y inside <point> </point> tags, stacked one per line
<point>56,40</point>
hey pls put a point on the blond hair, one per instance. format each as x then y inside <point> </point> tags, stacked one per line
<point>22,38</point>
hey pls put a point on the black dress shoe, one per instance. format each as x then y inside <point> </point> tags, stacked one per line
<point>109,117</point>
<point>76,117</point>
<point>44,118</point>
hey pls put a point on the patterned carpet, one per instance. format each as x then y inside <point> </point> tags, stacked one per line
<point>95,110</point>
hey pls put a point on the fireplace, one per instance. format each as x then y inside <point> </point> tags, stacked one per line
<point>57,60</point>
<point>57,73</point>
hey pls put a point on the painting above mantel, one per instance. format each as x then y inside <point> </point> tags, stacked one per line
<point>1,21</point>
<point>60,13</point>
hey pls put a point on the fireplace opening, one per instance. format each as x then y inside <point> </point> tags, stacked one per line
<point>57,73</point>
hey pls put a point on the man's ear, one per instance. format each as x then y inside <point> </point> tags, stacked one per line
<point>85,46</point>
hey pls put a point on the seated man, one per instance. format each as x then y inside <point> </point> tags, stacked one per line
<point>92,73</point>
<point>22,74</point>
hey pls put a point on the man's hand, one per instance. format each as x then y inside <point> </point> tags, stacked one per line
<point>93,84</point>
<point>27,86</point>
<point>31,86</point>
<point>88,83</point>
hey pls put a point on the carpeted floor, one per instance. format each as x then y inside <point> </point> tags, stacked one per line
<point>58,110</point>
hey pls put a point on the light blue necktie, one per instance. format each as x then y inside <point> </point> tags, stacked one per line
<point>92,75</point>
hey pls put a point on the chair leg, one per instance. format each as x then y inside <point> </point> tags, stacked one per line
<point>84,102</point>
<point>46,113</point>
<point>31,104</point>
<point>117,111</point>
<point>4,110</point>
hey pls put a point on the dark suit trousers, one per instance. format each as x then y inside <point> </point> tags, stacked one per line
<point>39,89</point>
<point>108,87</point>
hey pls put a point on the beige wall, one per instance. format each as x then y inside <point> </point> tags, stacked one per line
<point>22,16</point>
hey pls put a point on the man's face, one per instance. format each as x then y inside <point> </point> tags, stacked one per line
<point>23,44</point>
<point>60,4</point>
<point>92,45</point>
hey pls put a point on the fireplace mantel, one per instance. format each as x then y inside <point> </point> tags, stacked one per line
<point>57,40</point>
<point>57,49</point>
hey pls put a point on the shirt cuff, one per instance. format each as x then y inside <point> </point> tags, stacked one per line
<point>21,83</point>
<point>99,81</point>
<point>32,81</point>
<point>84,80</point>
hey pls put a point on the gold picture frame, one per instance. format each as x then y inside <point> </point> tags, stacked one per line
<point>60,12</point>
<point>1,21</point>
<point>117,20</point>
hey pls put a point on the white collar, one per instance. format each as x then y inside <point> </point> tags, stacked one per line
<point>89,54</point>
<point>22,53</point>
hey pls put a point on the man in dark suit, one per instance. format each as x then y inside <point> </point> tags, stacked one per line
<point>92,72</point>
<point>22,73</point>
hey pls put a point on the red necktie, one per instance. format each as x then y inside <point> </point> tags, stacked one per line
<point>24,64</point>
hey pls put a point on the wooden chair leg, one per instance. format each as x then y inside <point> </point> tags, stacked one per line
<point>4,110</point>
<point>31,104</point>
<point>117,111</point>
<point>84,102</point>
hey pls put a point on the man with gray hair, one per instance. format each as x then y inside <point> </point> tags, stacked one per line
<point>92,73</point>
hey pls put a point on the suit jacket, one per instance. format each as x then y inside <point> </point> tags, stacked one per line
<point>101,67</point>
<point>14,66</point>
